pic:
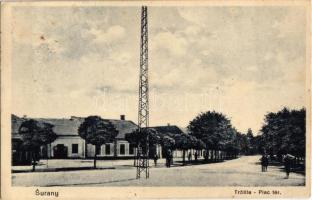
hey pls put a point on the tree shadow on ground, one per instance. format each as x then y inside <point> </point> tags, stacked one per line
<point>61,169</point>
<point>94,183</point>
<point>199,162</point>
<point>298,170</point>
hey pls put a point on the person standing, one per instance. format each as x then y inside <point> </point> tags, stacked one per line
<point>195,156</point>
<point>263,161</point>
<point>266,163</point>
<point>287,164</point>
<point>155,159</point>
<point>169,158</point>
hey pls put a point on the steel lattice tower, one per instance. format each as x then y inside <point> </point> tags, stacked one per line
<point>143,110</point>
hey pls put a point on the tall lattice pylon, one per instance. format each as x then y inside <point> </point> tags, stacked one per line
<point>143,111</point>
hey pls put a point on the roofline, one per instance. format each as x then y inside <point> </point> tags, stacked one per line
<point>43,118</point>
<point>165,126</point>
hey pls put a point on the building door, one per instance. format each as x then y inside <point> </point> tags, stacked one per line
<point>107,149</point>
<point>122,149</point>
<point>60,151</point>
<point>98,150</point>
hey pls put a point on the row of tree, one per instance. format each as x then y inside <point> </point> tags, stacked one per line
<point>218,134</point>
<point>283,132</point>
<point>168,141</point>
<point>209,131</point>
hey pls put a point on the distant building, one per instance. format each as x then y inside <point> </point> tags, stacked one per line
<point>70,145</point>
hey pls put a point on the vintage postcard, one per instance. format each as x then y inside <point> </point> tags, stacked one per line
<point>154,99</point>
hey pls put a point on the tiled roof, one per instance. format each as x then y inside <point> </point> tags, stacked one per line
<point>168,129</point>
<point>70,126</point>
<point>124,127</point>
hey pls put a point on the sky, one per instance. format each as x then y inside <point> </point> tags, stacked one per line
<point>81,61</point>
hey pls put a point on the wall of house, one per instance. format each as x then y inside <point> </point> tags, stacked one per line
<point>87,151</point>
<point>123,150</point>
<point>69,142</point>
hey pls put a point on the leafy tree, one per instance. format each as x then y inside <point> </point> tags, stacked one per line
<point>183,142</point>
<point>253,143</point>
<point>213,128</point>
<point>35,134</point>
<point>97,131</point>
<point>199,144</point>
<point>237,144</point>
<point>137,137</point>
<point>134,137</point>
<point>258,142</point>
<point>230,143</point>
<point>284,132</point>
<point>244,144</point>
<point>168,143</point>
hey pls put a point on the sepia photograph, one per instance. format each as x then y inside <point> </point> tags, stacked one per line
<point>121,95</point>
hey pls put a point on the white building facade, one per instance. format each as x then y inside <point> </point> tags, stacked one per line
<point>70,145</point>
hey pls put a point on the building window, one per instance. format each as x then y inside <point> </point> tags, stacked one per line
<point>122,149</point>
<point>74,148</point>
<point>131,148</point>
<point>107,149</point>
<point>98,150</point>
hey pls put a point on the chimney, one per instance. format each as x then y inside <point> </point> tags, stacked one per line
<point>122,117</point>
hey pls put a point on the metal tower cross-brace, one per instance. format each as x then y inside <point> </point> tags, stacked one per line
<point>143,110</point>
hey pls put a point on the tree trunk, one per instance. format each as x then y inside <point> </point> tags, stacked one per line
<point>33,161</point>
<point>115,148</point>
<point>206,153</point>
<point>94,162</point>
<point>48,154</point>
<point>183,156</point>
<point>86,149</point>
<point>215,155</point>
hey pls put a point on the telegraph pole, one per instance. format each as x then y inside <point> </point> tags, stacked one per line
<point>143,110</point>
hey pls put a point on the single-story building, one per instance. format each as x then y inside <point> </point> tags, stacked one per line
<point>70,145</point>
